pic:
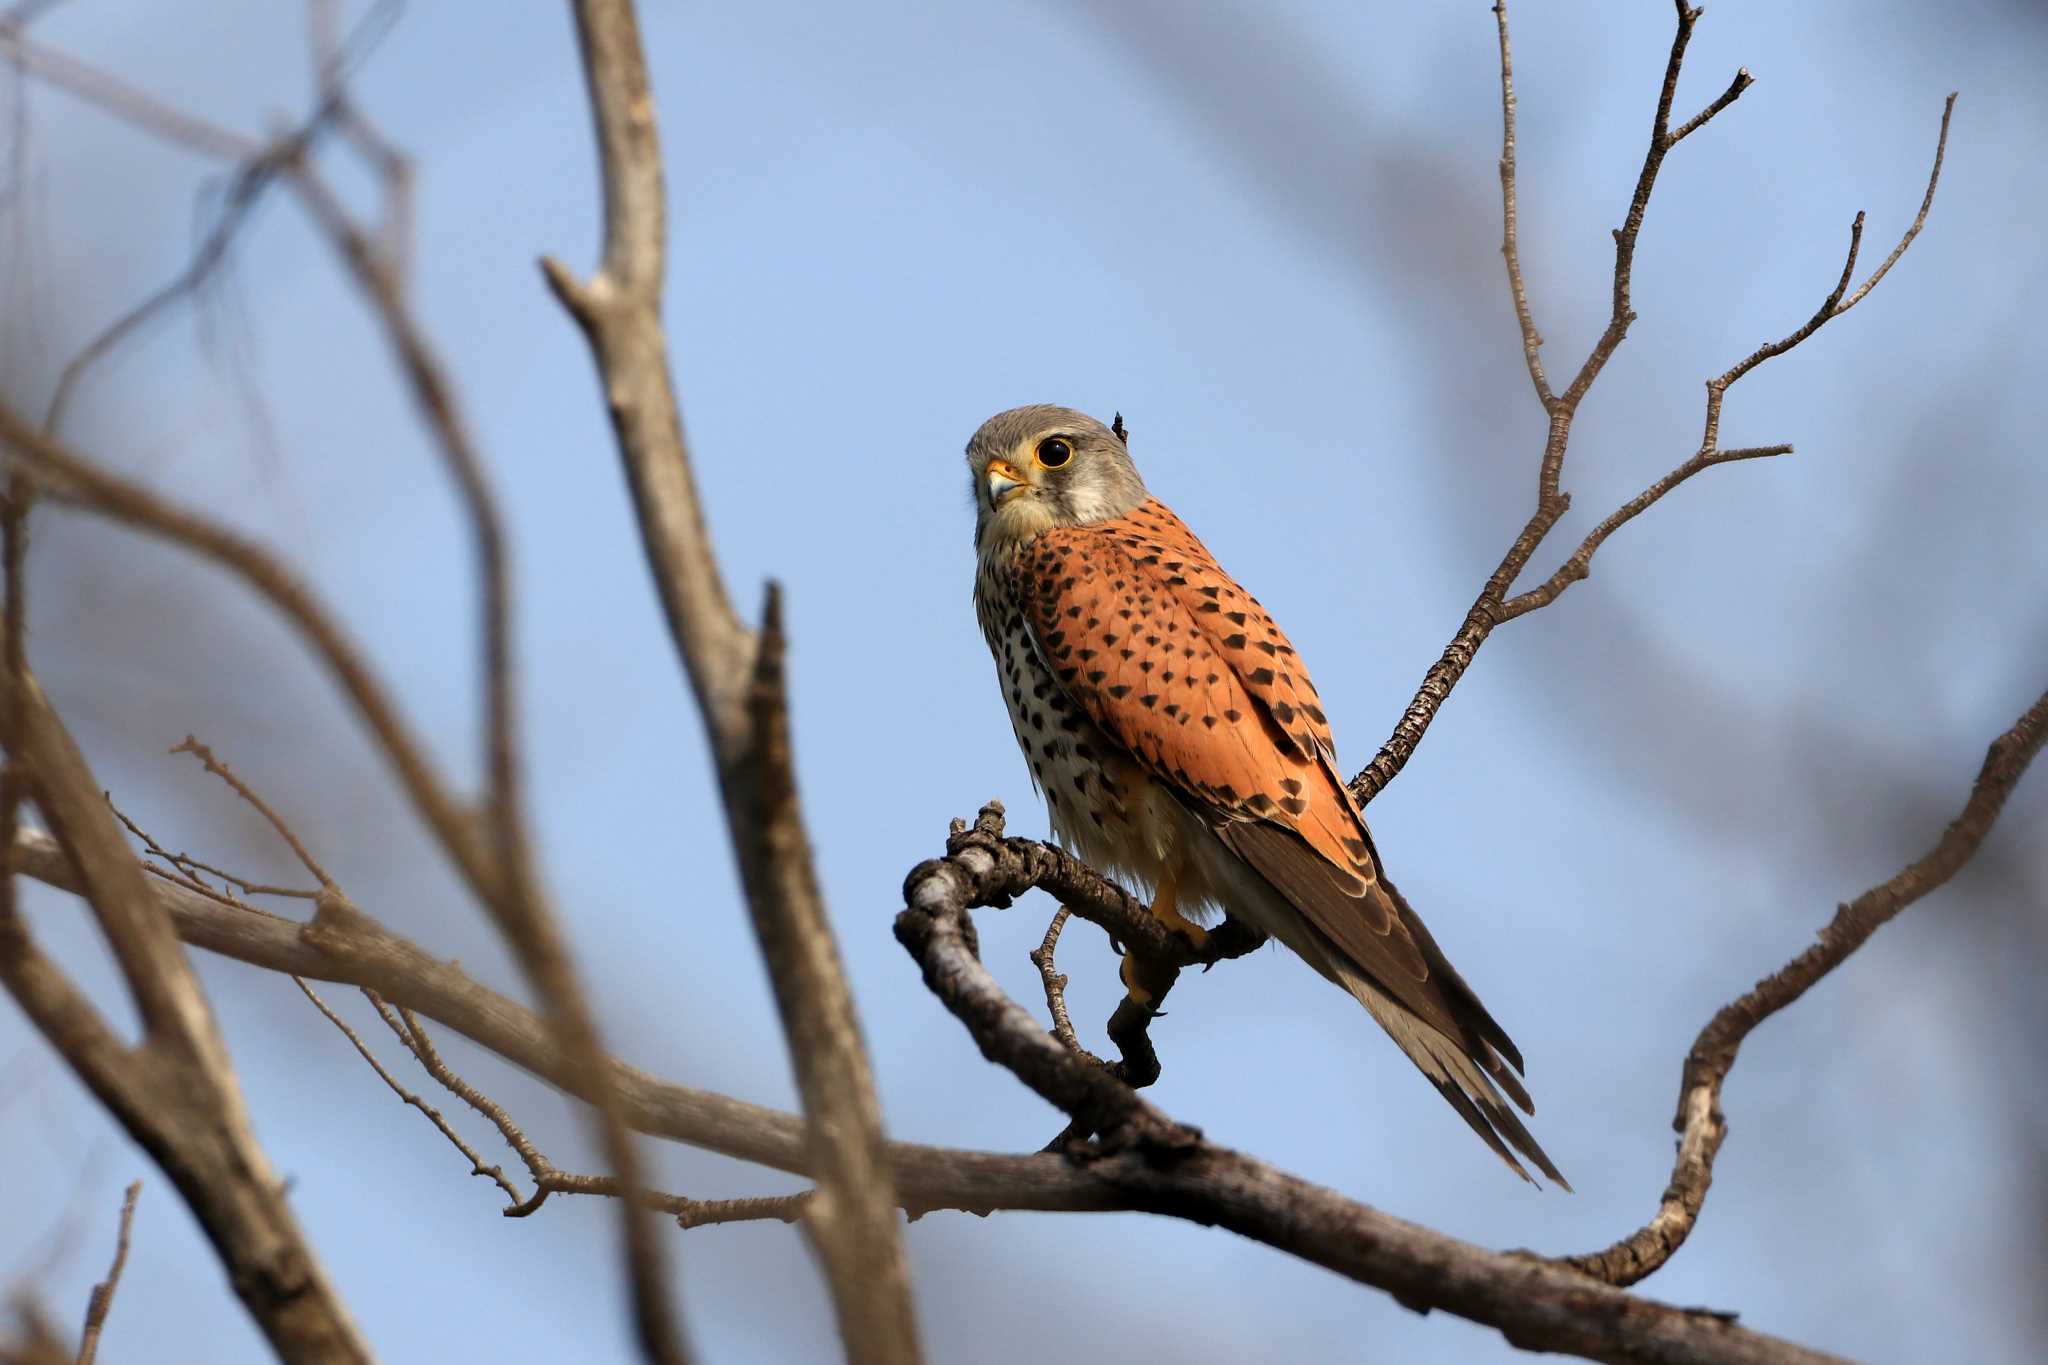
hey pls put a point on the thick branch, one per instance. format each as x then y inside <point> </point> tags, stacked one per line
<point>1166,1167</point>
<point>1699,1122</point>
<point>177,1095</point>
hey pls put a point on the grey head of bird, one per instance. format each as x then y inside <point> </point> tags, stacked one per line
<point>1038,467</point>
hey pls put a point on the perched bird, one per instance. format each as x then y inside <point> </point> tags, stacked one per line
<point>1178,741</point>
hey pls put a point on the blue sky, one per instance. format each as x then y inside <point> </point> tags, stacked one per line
<point>1268,235</point>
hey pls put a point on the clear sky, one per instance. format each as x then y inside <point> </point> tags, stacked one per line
<point>1268,234</point>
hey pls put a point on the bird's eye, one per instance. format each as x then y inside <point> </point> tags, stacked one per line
<point>1054,451</point>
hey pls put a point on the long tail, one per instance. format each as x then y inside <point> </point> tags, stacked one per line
<point>1473,1092</point>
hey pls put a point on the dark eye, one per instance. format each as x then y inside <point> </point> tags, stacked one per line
<point>1054,451</point>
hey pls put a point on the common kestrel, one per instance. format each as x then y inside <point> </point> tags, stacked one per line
<point>1179,742</point>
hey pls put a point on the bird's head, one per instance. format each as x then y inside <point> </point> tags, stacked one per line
<point>1034,468</point>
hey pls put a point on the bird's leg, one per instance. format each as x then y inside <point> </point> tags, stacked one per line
<point>1166,909</point>
<point>1139,983</point>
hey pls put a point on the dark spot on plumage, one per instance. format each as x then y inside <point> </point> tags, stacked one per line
<point>1293,805</point>
<point>1172,708</point>
<point>1209,721</point>
<point>1087,654</point>
<point>1120,691</point>
<point>1109,637</point>
<point>1152,641</point>
<point>1038,692</point>
<point>1262,677</point>
<point>1315,713</point>
<point>1117,586</point>
<point>1208,607</point>
<point>1227,792</point>
<point>1266,645</point>
<point>1096,675</point>
<point>1080,782</point>
<point>1259,802</point>
<point>1236,617</point>
<point>1144,665</point>
<point>1233,642</point>
<point>1211,680</point>
<point>1233,715</point>
<point>1071,724</point>
<point>1357,848</point>
<point>1050,747</point>
<point>1063,652</point>
<point>1209,590</point>
<point>1283,713</point>
<point>1096,816</point>
<point>1125,613</point>
<point>1084,751</point>
<point>1291,785</point>
<point>1149,699</point>
<point>1187,653</point>
<point>1055,638</point>
<point>1287,677</point>
<point>1127,653</point>
<point>1067,584</point>
<point>1176,582</point>
<point>1166,675</point>
<point>1073,613</point>
<point>1091,623</point>
<point>1067,675</point>
<point>1148,559</point>
<point>1174,566</point>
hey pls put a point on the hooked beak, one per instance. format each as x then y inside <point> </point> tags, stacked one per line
<point>1003,480</point>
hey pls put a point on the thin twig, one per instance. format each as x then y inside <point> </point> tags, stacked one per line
<point>102,1300</point>
<point>495,1174</point>
<point>1510,242</point>
<point>1496,602</point>
<point>1699,1122</point>
<point>191,745</point>
<point>1055,982</point>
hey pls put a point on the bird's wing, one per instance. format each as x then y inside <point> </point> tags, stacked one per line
<point>1170,657</point>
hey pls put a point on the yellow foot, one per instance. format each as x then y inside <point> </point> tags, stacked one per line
<point>1165,910</point>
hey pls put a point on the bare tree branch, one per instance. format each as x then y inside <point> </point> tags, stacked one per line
<point>1164,1166</point>
<point>102,1300</point>
<point>1699,1122</point>
<point>737,678</point>
<point>344,945</point>
<point>181,1072</point>
<point>514,896</point>
<point>1496,602</point>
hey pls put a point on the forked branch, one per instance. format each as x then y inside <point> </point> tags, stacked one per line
<point>1497,601</point>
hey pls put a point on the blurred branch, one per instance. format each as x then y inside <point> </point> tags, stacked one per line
<point>342,944</point>
<point>102,1300</point>
<point>1531,1300</point>
<point>1496,602</point>
<point>176,1093</point>
<point>514,894</point>
<point>1699,1122</point>
<point>739,684</point>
